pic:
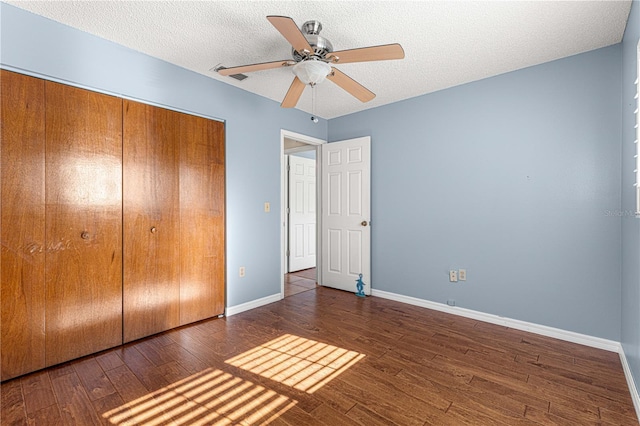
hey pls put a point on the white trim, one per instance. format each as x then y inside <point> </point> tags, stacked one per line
<point>283,198</point>
<point>635,397</point>
<point>569,336</point>
<point>307,148</point>
<point>234,310</point>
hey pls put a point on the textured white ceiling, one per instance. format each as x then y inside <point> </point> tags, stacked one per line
<point>446,43</point>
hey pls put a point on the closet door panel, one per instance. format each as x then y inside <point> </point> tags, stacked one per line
<point>151,220</point>
<point>83,222</point>
<point>22,224</point>
<point>202,248</point>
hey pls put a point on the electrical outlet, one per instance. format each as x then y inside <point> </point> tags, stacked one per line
<point>462,274</point>
<point>267,207</point>
<point>453,276</point>
<point>242,272</point>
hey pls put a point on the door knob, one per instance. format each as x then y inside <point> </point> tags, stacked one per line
<point>363,223</point>
<point>84,235</point>
<point>153,229</point>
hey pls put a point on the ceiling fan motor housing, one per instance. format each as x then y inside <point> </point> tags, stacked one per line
<point>321,46</point>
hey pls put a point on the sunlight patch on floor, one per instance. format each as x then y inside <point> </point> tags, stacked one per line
<point>211,397</point>
<point>301,363</point>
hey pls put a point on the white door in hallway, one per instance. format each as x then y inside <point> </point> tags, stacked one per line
<point>346,214</point>
<point>302,213</point>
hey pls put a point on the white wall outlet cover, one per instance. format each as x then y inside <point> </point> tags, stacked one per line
<point>462,274</point>
<point>453,276</point>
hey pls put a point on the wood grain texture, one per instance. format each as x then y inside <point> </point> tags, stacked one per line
<point>83,273</point>
<point>202,234</point>
<point>22,231</point>
<point>151,201</point>
<point>420,367</point>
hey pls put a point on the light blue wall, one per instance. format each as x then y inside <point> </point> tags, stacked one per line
<point>515,178</point>
<point>46,48</point>
<point>630,225</point>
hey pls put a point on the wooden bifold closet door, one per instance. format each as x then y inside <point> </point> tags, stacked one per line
<point>22,290</point>
<point>202,233</point>
<point>151,220</point>
<point>173,219</point>
<point>83,274</point>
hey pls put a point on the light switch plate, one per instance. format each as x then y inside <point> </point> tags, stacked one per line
<point>267,207</point>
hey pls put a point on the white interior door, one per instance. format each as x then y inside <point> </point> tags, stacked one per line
<point>302,213</point>
<point>346,214</point>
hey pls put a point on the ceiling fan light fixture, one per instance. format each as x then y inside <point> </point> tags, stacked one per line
<point>312,71</point>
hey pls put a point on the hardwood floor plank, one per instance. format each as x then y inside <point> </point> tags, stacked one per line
<point>61,370</point>
<point>580,413</point>
<point>424,391</point>
<point>461,415</point>
<point>186,359</point>
<point>126,383</point>
<point>567,395</point>
<point>395,405</point>
<point>37,391</point>
<point>543,417</point>
<point>75,407</point>
<point>364,416</point>
<point>296,417</point>
<point>106,404</point>
<point>330,417</point>
<point>173,372</point>
<point>144,370</point>
<point>153,351</point>
<point>517,391</point>
<point>49,416</point>
<point>12,403</point>
<point>109,360</point>
<point>93,378</point>
<point>616,418</point>
<point>464,395</point>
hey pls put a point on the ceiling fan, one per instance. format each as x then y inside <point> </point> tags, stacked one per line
<point>313,57</point>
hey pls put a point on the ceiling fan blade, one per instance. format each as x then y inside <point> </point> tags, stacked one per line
<point>350,85</point>
<point>293,94</point>
<point>365,54</point>
<point>291,32</point>
<point>254,67</point>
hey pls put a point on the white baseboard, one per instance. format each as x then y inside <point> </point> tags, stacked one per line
<point>630,382</point>
<point>233,310</point>
<point>569,336</point>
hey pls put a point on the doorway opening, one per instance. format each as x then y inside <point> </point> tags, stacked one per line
<point>300,206</point>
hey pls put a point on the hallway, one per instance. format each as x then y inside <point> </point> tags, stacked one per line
<point>300,281</point>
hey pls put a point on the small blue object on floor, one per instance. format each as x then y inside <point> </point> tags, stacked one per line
<point>360,287</point>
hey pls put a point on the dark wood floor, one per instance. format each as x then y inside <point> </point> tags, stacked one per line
<point>300,281</point>
<point>328,357</point>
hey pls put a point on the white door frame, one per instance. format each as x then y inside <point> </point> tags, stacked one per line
<point>283,201</point>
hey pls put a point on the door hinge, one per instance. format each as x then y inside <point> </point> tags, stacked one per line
<point>288,253</point>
